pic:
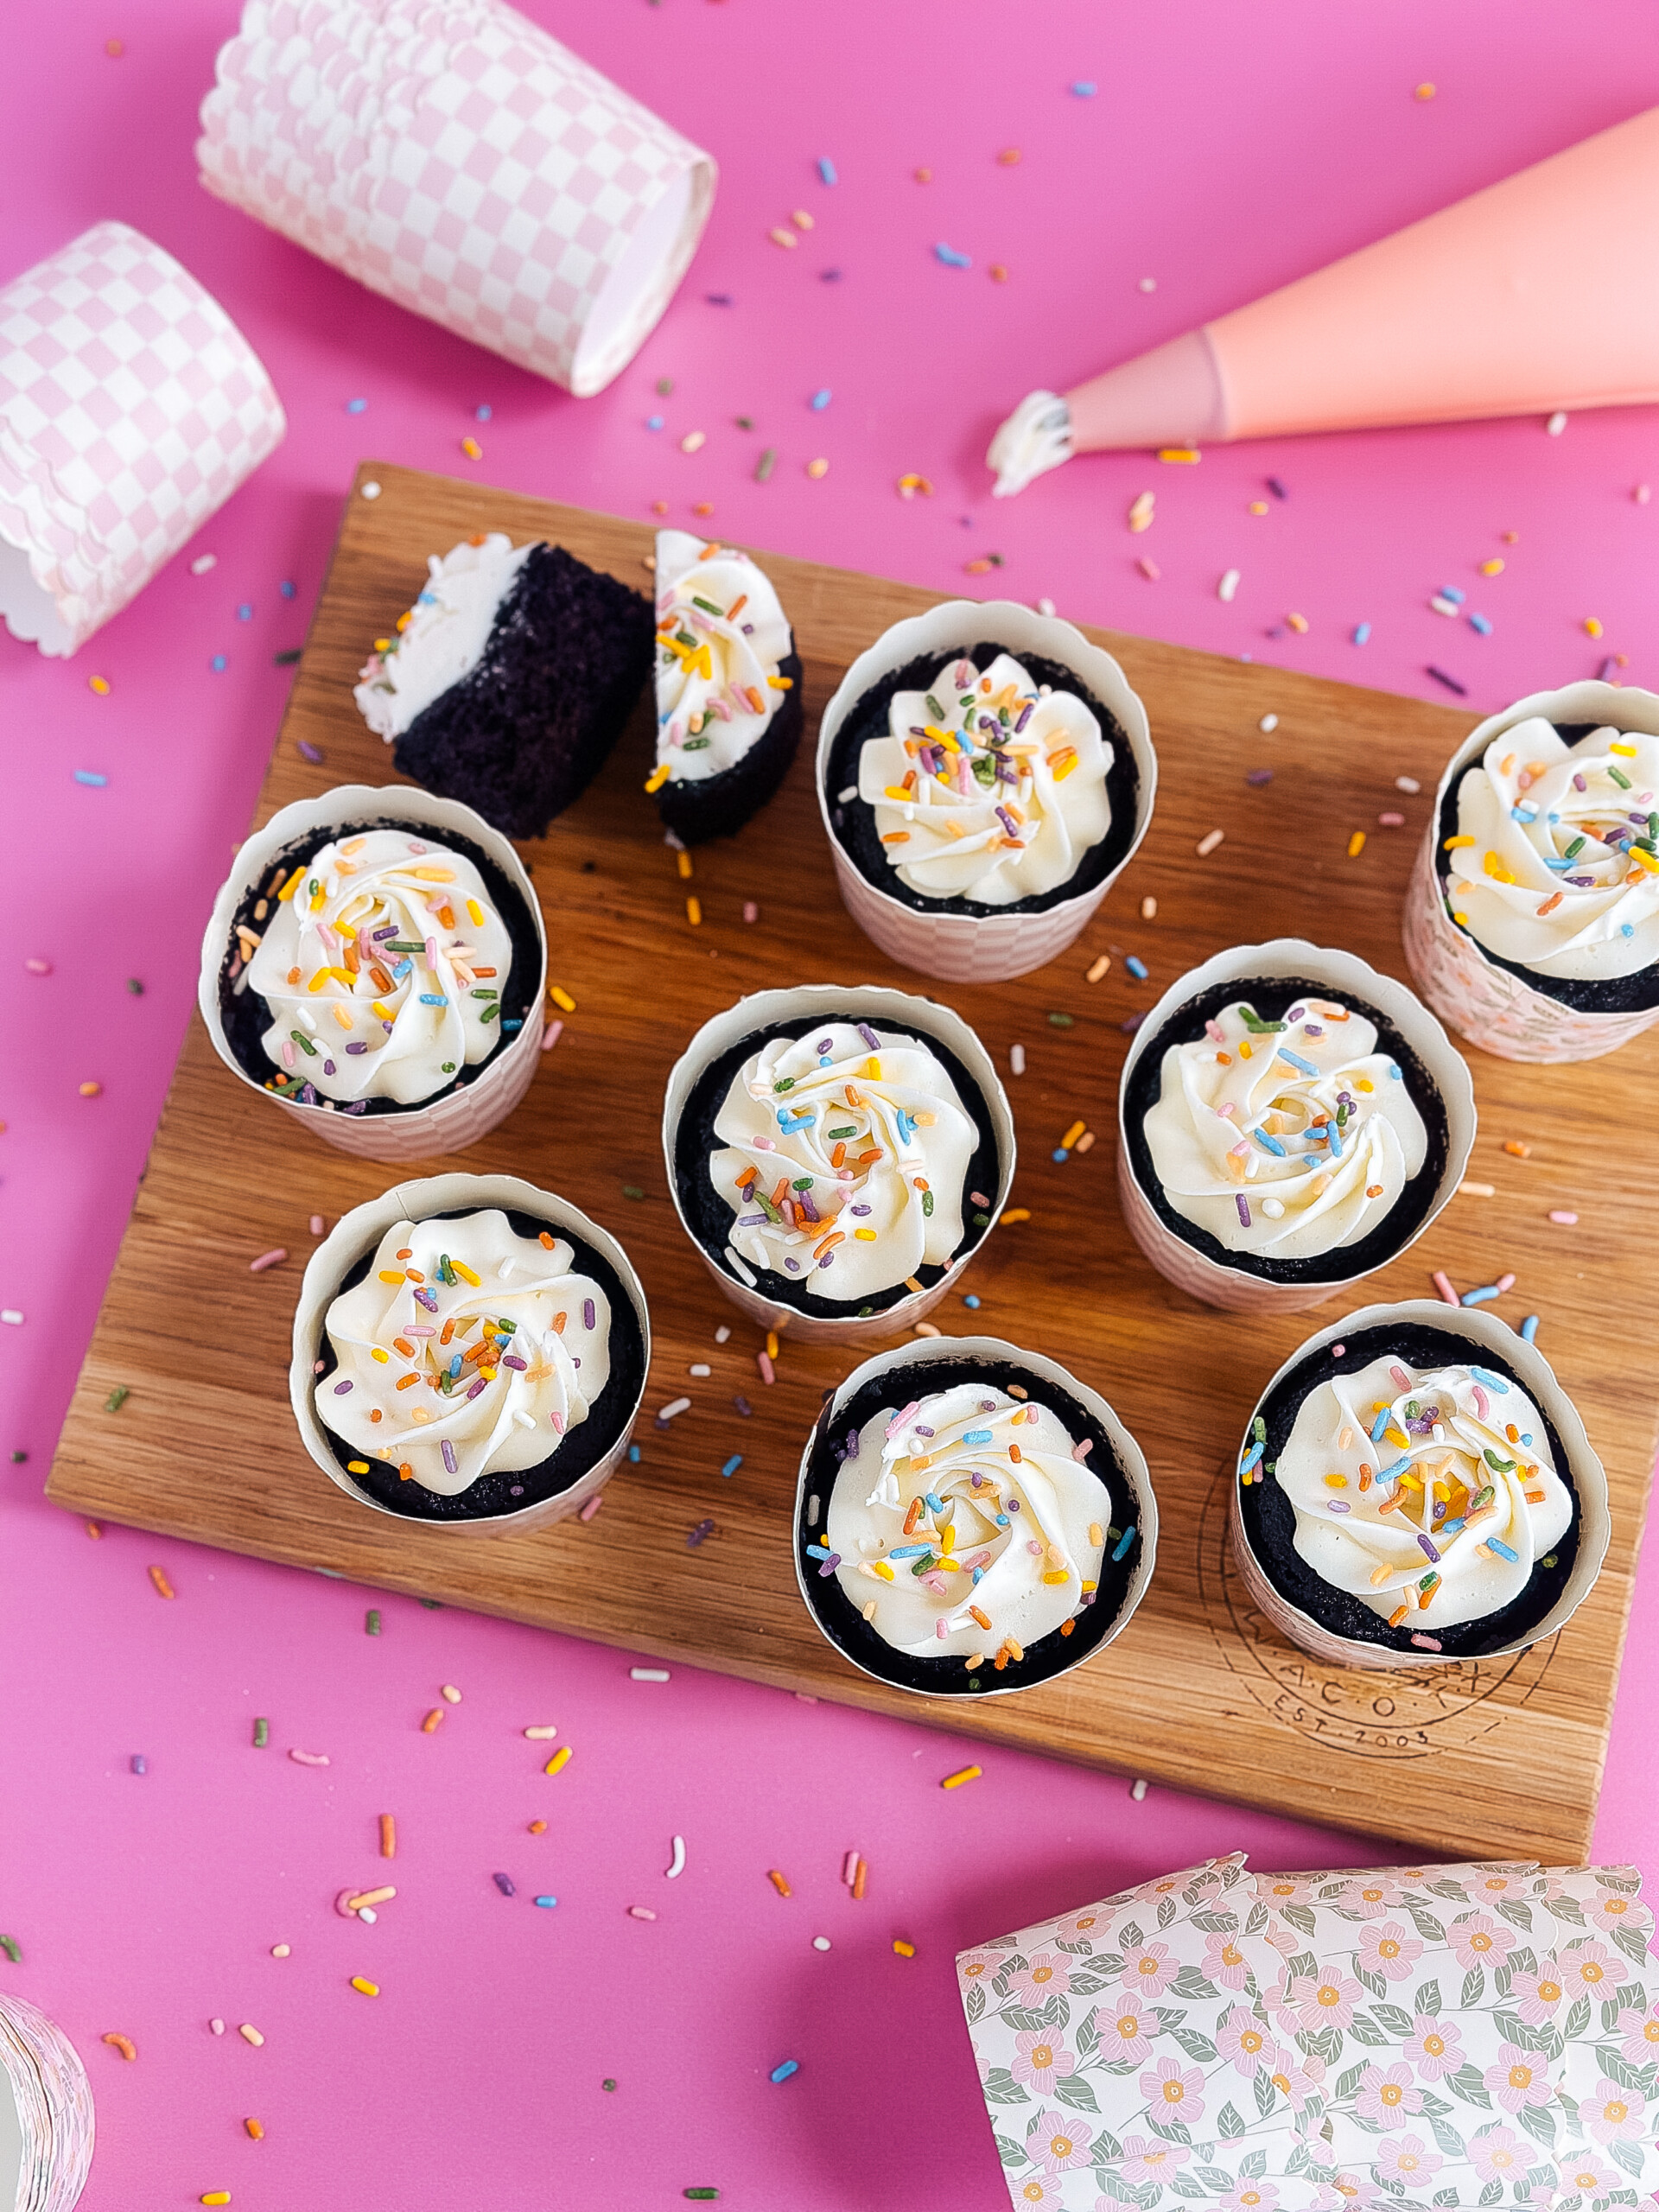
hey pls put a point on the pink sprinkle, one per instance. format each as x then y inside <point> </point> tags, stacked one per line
<point>1504,1282</point>
<point>1337,1351</point>
<point>764,1144</point>
<point>640,1912</point>
<point>556,1419</point>
<point>1483,1404</point>
<point>268,1260</point>
<point>592,1506</point>
<point>289,1055</point>
<point>850,1868</point>
<point>1442,1282</point>
<point>763,1361</point>
<point>939,1628</point>
<point>1391,821</point>
<point>751,912</point>
<point>1149,569</point>
<point>310,1758</point>
<point>1215,1032</point>
<point>217,2027</point>
<point>1567,1220</point>
<point>1401,1380</point>
<point>38,967</point>
<point>1426,1642</point>
<point>1082,1451</point>
<point>318,1224</point>
<point>1227,1109</point>
<point>551,1035</point>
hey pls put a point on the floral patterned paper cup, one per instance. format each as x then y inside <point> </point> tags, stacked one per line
<point>46,2112</point>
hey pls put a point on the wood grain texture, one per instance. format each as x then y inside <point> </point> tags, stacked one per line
<point>1499,1757</point>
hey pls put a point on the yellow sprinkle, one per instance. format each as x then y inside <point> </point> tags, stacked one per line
<point>1061,1577</point>
<point>216,2197</point>
<point>657,777</point>
<point>101,684</point>
<point>291,886</point>
<point>771,1344</point>
<point>878,1566</point>
<point>1072,1134</point>
<point>465,1272</point>
<point>472,448</point>
<point>1629,751</point>
<point>357,1466</point>
<point>377,1351</point>
<point>475,913</point>
<point>873,1071</point>
<point>1298,622</point>
<point>1492,568</point>
<point>694,913</point>
<point>1355,844</point>
<point>787,682</point>
<point>963,1774</point>
<point>381,1012</point>
<point>1188,454</point>
<point>562,999</point>
<point>560,1759</point>
<point>365,1988</point>
<point>1451,844</point>
<point>904,1950</point>
<point>1014,1213</point>
<point>1459,917</point>
<point>1140,513</point>
<point>1592,627</point>
<point>1336,1482</point>
<point>683,858</point>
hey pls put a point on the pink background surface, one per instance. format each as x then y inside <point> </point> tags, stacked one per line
<point>1227,150</point>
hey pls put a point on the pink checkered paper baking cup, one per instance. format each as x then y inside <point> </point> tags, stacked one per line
<point>1344,974</point>
<point>45,2112</point>
<point>462,1116</point>
<point>131,407</point>
<point>899,1011</point>
<point>991,947</point>
<point>1492,1007</point>
<point>358,1233</point>
<point>456,158</point>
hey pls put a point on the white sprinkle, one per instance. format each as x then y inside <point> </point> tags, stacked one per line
<point>1207,845</point>
<point>1139,1791</point>
<point>541,1735</point>
<point>820,1942</point>
<point>700,1369</point>
<point>217,2027</point>
<point>648,1675</point>
<point>846,798</point>
<point>1227,585</point>
<point>1272,1208</point>
<point>677,1867</point>
<point>370,490</point>
<point>1016,1060</point>
<point>1642,494</point>
<point>743,1274</point>
<point>280,1950</point>
<point>1148,283</point>
<point>1268,724</point>
<point>1478,1190</point>
<point>722,1334</point>
<point>674,1405</point>
<point>1046,607</point>
<point>1556,423</point>
<point>249,2034</point>
<point>1407,783</point>
<point>450,1694</point>
<point>640,1912</point>
<point>525,1420</point>
<point>199,567</point>
<point>11,1315</point>
<point>367,1914</point>
<point>812,1515</point>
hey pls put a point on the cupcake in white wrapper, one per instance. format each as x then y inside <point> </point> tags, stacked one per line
<point>1532,917</point>
<point>1375,1536</point>
<point>836,1153</point>
<point>469,1352</point>
<point>46,2112</point>
<point>131,407</point>
<point>375,1017</point>
<point>1289,1120</point>
<point>454,157</point>
<point>984,775</point>
<point>970,1519</point>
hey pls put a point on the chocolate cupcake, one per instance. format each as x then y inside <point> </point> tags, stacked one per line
<point>971,1519</point>
<point>729,689</point>
<point>836,1153</point>
<point>1289,1121</point>
<point>375,965</point>
<point>469,1352</point>
<point>510,679</point>
<point>1415,1487</point>
<point>1531,920</point>
<point>984,774</point>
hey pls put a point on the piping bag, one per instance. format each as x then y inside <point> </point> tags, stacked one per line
<point>1540,292</point>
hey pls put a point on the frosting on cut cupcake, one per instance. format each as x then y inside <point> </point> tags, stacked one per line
<point>1284,1138</point>
<point>442,637</point>
<point>844,1159</point>
<point>965,1521</point>
<point>383,966</point>
<point>1427,1489</point>
<point>465,1350</point>
<point>1555,860</point>
<point>988,786</point>
<point>721,640</point>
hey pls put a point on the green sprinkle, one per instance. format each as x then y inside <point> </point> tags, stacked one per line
<point>1549,1560</point>
<point>433,1604</point>
<point>804,1183</point>
<point>482,993</point>
<point>664,385</point>
<point>1484,1495</point>
<point>448,1067</point>
<point>708,606</point>
<point>973,1681</point>
<point>696,745</point>
<point>631,1191</point>
<point>116,1399</point>
<point>19,1458</point>
<point>1498,1467</point>
<point>983,770</point>
<point>303,1042</point>
<point>261,1734</point>
<point>1619,778</point>
<point>1254,1024</point>
<point>865,1311</point>
<point>831,1134</point>
<point>743,423</point>
<point>786,1082</point>
<point>13,1949</point>
<point>608,2083</point>
<point>982,1221</point>
<point>927,1204</point>
<point>935,708</point>
<point>489,1013</point>
<point>767,462</point>
<point>1428,1581</point>
<point>134,986</point>
<point>287,659</point>
<point>1063,1020</point>
<point>1575,849</point>
<point>924,1564</point>
<point>1259,1429</point>
<point>371,1622</point>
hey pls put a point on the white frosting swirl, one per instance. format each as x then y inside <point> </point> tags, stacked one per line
<point>721,640</point>
<point>412,1387</point>
<point>1036,437</point>
<point>1413,1484</point>
<point>1288,1139</point>
<point>854,1155</point>
<point>988,786</point>
<point>1555,863</point>
<point>383,965</point>
<point>442,636</point>
<point>986,1497</point>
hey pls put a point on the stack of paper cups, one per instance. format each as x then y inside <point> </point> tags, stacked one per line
<point>45,2112</point>
<point>130,408</point>
<point>458,160</point>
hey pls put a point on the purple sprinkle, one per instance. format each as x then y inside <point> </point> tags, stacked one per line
<point>480,1384</point>
<point>829,1564</point>
<point>1134,1022</point>
<point>357,1048</point>
<point>448,1450</point>
<point>1258,776</point>
<point>987,1405</point>
<point>704,1528</point>
<point>804,1201</point>
<point>1313,1029</point>
<point>515,1489</point>
<point>978,1480</point>
<point>357,1106</point>
<point>1339,1505</point>
<point>1026,714</point>
<point>341,1388</point>
<point>750,1220</point>
<point>1428,1551</point>
<point>379,937</point>
<point>428,1299</point>
<point>1296,1014</point>
<point>1243,1204</point>
<point>587,1313</point>
<point>869,1036</point>
<point>859,1210</point>
<point>307,1095</point>
<point>1450,681</point>
<point>823,1045</point>
<point>505,1884</point>
<point>920,1431</point>
<point>743,1406</point>
<point>1578,783</point>
<point>828,1261</point>
<point>309,752</point>
<point>1014,1505</point>
<point>329,1067</point>
<point>794,1266</point>
<point>512,1359</point>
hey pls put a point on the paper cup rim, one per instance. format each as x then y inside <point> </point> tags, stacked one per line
<point>422,810</point>
<point>1053,637</point>
<point>1420,1028</point>
<point>1131,1459</point>
<point>757,1011</point>
<point>1539,1379</point>
<point>417,1199</point>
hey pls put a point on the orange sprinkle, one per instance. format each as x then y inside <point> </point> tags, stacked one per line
<point>434,1719</point>
<point>256,2129</point>
<point>860,1872</point>
<point>123,2045</point>
<point>164,1587</point>
<point>388,1836</point>
<point>778,1883</point>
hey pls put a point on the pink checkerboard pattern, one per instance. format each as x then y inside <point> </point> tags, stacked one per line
<point>131,407</point>
<point>457,159</point>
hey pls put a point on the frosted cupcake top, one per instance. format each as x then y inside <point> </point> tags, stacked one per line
<point>965,1525</point>
<point>1286,1139</point>
<point>441,637</point>
<point>844,1157</point>
<point>721,640</point>
<point>1430,1494</point>
<point>466,1350</point>
<point>1555,860</point>
<point>383,966</point>
<point>988,786</point>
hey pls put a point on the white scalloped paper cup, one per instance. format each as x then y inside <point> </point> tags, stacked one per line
<point>1142,1510</point>
<point>455,158</point>
<point>1538,1379</point>
<point>899,1010</point>
<point>1488,1005</point>
<point>1345,975</point>
<point>131,407</point>
<point>992,947</point>
<point>360,1232</point>
<point>413,1133</point>
<point>47,2124</point>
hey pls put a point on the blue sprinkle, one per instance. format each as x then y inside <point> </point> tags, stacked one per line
<point>821,1551</point>
<point>933,1504</point>
<point>977,1435</point>
<point>1362,634</point>
<point>731,1465</point>
<point>433,998</point>
<point>1481,1297</point>
<point>1451,592</point>
<point>1557,868</point>
<point>1334,1138</point>
<point>1380,1423</point>
<point>1250,1457</point>
<point>653,422</point>
<point>1451,1528</point>
<point>972,1302</point>
<point>1306,1066</point>
<point>90,775</point>
<point>286,588</point>
<point>902,1551</point>
<point>1496,1544</point>
<point>245,612</point>
<point>506,1883</point>
<point>821,399</point>
<point>1523,813</point>
<point>1626,928</point>
<point>1059,1154</point>
<point>1268,1143</point>
<point>782,2073</point>
<point>1530,1328</point>
<point>218,663</point>
<point>1085,88</point>
<point>633,1455</point>
<point>546,1901</point>
<point>1525,1437</point>
<point>482,413</point>
<point>1480,625</point>
<point>951,258</point>
<point>1398,1467</point>
<point>1137,968</point>
<point>1001,1520</point>
<point>979,1576</point>
<point>140,1763</point>
<point>827,169</point>
<point>1123,1542</point>
<point>513,1024</point>
<point>1395,1073</point>
<point>356,406</point>
<point>1492,1382</point>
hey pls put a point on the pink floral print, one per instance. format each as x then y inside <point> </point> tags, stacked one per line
<point>1389,1949</point>
<point>1610,2114</point>
<point>1172,2091</point>
<point>1518,2077</point>
<point>1479,1940</point>
<point>1385,2093</point>
<point>1435,2048</point>
<point>1149,1969</point>
<point>1039,2058</point>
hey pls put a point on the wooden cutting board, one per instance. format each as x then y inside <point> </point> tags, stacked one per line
<point>1498,1758</point>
